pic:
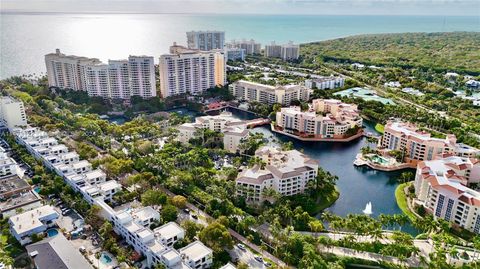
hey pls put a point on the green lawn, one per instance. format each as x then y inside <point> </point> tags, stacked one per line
<point>379,128</point>
<point>402,201</point>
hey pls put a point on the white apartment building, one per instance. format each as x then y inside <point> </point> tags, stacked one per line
<point>234,131</point>
<point>290,51</point>
<point>441,186</point>
<point>197,255</point>
<point>419,145</point>
<point>12,112</point>
<point>141,70</point>
<point>185,71</point>
<point>256,92</point>
<point>35,221</point>
<point>250,46</point>
<point>325,83</point>
<point>206,40</point>
<point>169,233</point>
<point>324,119</point>
<point>235,54</point>
<point>286,172</point>
<point>133,225</point>
<point>78,174</point>
<point>286,52</point>
<point>119,79</point>
<point>97,80</point>
<point>273,50</point>
<point>65,71</point>
<point>8,166</point>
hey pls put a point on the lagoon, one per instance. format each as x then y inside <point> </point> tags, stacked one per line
<point>357,185</point>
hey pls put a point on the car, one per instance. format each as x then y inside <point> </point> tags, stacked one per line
<point>194,216</point>
<point>82,249</point>
<point>258,258</point>
<point>58,203</point>
<point>267,264</point>
<point>66,212</point>
<point>186,210</point>
<point>241,246</point>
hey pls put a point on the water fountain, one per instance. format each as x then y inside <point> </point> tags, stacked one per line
<point>368,209</point>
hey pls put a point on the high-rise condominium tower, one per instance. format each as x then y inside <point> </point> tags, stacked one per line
<point>205,40</point>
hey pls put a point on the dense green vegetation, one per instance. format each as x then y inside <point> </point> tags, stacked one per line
<point>458,51</point>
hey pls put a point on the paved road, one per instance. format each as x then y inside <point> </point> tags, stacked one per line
<point>246,257</point>
<point>202,215</point>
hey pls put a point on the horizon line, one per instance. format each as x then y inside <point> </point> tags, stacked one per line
<point>31,12</point>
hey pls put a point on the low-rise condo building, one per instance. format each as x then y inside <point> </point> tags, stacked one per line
<point>186,71</point>
<point>324,119</point>
<point>12,112</point>
<point>325,83</point>
<point>132,224</point>
<point>197,255</point>
<point>256,92</point>
<point>418,145</point>
<point>250,46</point>
<point>35,221</point>
<point>234,130</point>
<point>285,172</point>
<point>56,252</point>
<point>206,40</point>
<point>119,79</point>
<point>442,187</point>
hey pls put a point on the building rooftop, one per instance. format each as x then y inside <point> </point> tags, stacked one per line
<point>12,184</point>
<point>109,185</point>
<point>446,174</point>
<point>196,251</point>
<point>30,220</point>
<point>145,213</point>
<point>57,252</point>
<point>168,230</point>
<point>20,200</point>
<point>228,266</point>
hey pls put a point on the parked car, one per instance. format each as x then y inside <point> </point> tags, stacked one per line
<point>258,258</point>
<point>194,216</point>
<point>186,210</point>
<point>267,264</point>
<point>241,246</point>
<point>66,212</point>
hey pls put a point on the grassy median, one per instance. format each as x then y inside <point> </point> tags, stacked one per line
<point>401,198</point>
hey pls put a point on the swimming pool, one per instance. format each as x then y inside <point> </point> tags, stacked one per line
<point>105,259</point>
<point>37,189</point>
<point>52,232</point>
<point>380,160</point>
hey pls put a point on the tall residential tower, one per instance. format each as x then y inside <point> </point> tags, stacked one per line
<point>186,71</point>
<point>205,40</point>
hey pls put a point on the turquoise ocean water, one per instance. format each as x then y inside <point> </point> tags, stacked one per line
<point>26,38</point>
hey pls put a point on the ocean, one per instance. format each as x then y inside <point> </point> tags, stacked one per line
<point>27,37</point>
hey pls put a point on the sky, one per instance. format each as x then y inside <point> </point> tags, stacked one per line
<point>324,7</point>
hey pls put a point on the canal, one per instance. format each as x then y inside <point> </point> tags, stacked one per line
<point>357,185</point>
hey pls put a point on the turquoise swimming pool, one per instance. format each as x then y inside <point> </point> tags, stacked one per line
<point>52,232</point>
<point>105,259</point>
